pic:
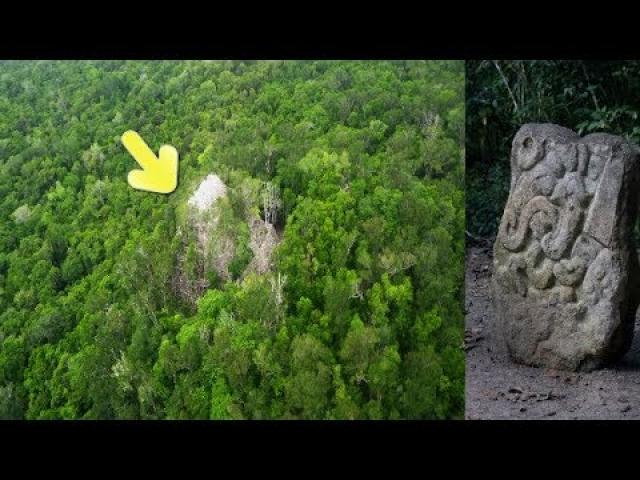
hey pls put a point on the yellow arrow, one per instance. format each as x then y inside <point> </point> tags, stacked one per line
<point>158,174</point>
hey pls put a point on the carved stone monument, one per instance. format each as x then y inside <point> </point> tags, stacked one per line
<point>566,276</point>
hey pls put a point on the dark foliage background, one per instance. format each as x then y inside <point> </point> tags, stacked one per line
<point>586,96</point>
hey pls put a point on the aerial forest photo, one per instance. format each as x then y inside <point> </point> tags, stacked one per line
<point>239,239</point>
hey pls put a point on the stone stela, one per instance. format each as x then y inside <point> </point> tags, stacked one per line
<point>566,281</point>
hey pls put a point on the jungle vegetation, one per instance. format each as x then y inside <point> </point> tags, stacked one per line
<point>361,316</point>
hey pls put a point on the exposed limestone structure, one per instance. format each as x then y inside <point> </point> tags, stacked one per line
<point>210,241</point>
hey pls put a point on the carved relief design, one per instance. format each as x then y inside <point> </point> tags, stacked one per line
<point>557,187</point>
<point>566,278</point>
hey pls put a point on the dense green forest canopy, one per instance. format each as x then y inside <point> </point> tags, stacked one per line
<point>361,315</point>
<point>585,96</point>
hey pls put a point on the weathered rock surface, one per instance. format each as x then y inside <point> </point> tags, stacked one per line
<point>566,276</point>
<point>209,190</point>
<point>204,247</point>
<point>264,240</point>
<point>210,241</point>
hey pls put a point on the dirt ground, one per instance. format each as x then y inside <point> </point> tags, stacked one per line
<point>497,388</point>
